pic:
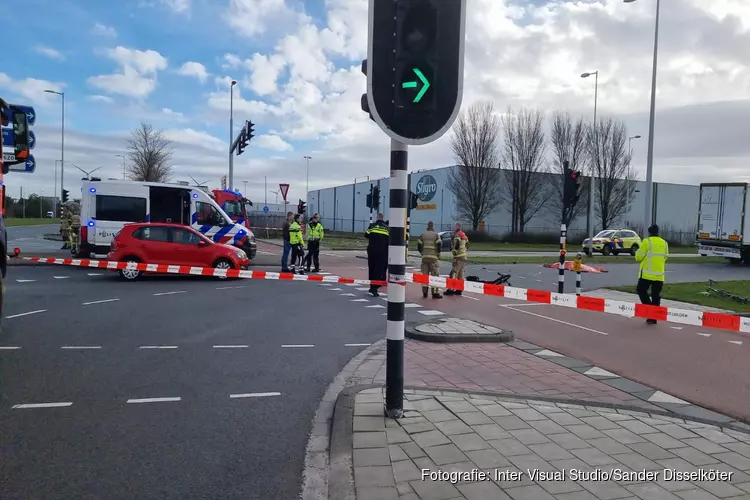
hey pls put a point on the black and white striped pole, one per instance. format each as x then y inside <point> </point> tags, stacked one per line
<point>399,196</point>
<point>561,270</point>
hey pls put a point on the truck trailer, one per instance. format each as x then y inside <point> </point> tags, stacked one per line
<point>723,228</point>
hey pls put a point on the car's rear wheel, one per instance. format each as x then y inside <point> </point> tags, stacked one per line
<point>130,274</point>
<point>223,264</point>
<point>607,250</point>
<point>633,250</point>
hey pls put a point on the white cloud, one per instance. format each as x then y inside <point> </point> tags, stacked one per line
<point>264,73</point>
<point>273,142</point>
<point>179,6</point>
<point>31,90</point>
<point>195,70</point>
<point>256,17</point>
<point>49,52</point>
<point>138,72</point>
<point>173,115</point>
<point>101,98</point>
<point>102,30</point>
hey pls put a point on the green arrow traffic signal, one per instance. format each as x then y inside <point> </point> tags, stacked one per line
<point>413,85</point>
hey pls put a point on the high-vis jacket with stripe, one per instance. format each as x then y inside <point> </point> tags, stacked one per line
<point>429,245</point>
<point>314,231</point>
<point>460,245</point>
<point>652,255</point>
<point>295,234</point>
<point>378,237</point>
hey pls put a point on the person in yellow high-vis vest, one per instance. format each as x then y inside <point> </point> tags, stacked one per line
<point>652,256</point>
<point>429,246</point>
<point>459,246</point>
<point>314,236</point>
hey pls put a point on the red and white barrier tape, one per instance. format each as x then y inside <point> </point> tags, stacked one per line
<point>199,271</point>
<point>596,304</point>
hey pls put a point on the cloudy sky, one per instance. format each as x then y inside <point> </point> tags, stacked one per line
<point>169,62</point>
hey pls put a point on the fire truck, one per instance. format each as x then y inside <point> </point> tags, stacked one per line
<point>10,115</point>
<point>234,204</point>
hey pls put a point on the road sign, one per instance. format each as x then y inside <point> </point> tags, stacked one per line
<point>32,139</point>
<point>223,182</point>
<point>265,209</point>
<point>415,71</point>
<point>284,188</point>
<point>30,113</point>
<point>29,166</point>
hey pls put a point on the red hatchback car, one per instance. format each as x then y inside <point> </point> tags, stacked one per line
<point>173,244</point>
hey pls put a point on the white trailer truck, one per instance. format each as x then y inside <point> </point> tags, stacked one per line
<point>723,228</point>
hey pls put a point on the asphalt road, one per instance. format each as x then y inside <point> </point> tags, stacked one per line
<point>30,238</point>
<point>95,352</point>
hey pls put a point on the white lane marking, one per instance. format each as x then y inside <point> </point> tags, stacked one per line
<point>8,348</point>
<point>154,400</point>
<point>736,342</point>
<point>325,284</point>
<point>26,314</point>
<point>158,347</point>
<point>25,281</point>
<point>96,274</point>
<point>512,308</point>
<point>61,277</point>
<point>42,405</point>
<point>356,345</point>
<point>168,293</point>
<point>238,346</point>
<point>360,300</point>
<point>528,304</point>
<point>363,289</point>
<point>347,295</point>
<point>384,314</point>
<point>241,286</point>
<point>411,306</point>
<point>324,274</point>
<point>676,327</point>
<point>254,395</point>
<point>334,289</point>
<point>99,302</point>
<point>224,287</point>
<point>429,312</point>
<point>81,347</point>
<point>467,297</point>
<point>376,306</point>
<point>362,268</point>
<point>703,334</point>
<point>297,345</point>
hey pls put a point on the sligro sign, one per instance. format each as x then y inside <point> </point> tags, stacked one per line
<point>426,188</point>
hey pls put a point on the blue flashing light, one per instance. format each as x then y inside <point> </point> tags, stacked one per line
<point>92,190</point>
<point>195,196</point>
<point>91,223</point>
<point>241,232</point>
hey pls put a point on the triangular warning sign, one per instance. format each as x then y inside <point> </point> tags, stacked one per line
<point>284,190</point>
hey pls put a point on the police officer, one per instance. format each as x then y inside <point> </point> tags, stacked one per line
<point>652,256</point>
<point>75,225</point>
<point>377,235</point>
<point>65,227</point>
<point>428,245</point>
<point>459,245</point>
<point>314,235</point>
<point>298,244</point>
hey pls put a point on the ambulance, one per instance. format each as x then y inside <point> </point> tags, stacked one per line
<point>107,205</point>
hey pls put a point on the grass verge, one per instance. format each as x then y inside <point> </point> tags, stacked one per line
<point>599,260</point>
<point>693,293</point>
<point>30,222</point>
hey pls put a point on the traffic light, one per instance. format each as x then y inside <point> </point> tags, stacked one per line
<point>64,195</point>
<point>301,207</point>
<point>370,203</point>
<point>376,197</point>
<point>413,201</point>
<point>572,187</point>
<point>415,67</point>
<point>246,135</point>
<point>364,104</point>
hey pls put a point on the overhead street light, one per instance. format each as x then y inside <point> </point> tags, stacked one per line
<point>62,138</point>
<point>231,132</point>
<point>590,218</point>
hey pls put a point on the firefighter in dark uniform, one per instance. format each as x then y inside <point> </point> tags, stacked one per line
<point>377,252</point>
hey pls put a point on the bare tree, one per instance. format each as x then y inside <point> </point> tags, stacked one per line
<point>523,160</point>
<point>610,164</point>
<point>476,181</point>
<point>149,156</point>
<point>568,141</point>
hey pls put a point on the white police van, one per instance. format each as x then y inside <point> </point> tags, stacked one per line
<point>107,205</point>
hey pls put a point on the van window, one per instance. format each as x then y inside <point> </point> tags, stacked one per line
<point>120,208</point>
<point>207,214</point>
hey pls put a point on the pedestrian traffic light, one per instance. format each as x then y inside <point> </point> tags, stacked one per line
<point>301,207</point>
<point>415,67</point>
<point>64,195</point>
<point>413,201</point>
<point>376,197</point>
<point>572,188</point>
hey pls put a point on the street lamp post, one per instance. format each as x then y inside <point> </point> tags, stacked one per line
<point>630,158</point>
<point>62,138</point>
<point>648,212</point>
<point>122,157</point>
<point>245,192</point>
<point>307,187</point>
<point>590,219</point>
<point>231,133</point>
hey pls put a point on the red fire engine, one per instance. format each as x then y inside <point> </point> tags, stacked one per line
<point>234,204</point>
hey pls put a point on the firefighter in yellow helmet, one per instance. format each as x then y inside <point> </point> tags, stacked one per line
<point>428,245</point>
<point>75,226</point>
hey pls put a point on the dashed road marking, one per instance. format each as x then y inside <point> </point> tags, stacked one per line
<point>99,302</point>
<point>9,348</point>
<point>430,312</point>
<point>512,308</point>
<point>158,347</point>
<point>292,346</point>
<point>96,274</point>
<point>238,346</point>
<point>324,274</point>
<point>61,277</point>
<point>169,293</point>
<point>26,314</point>
<point>736,342</point>
<point>347,295</point>
<point>25,281</point>
<point>334,289</point>
<point>412,306</point>
<point>153,400</point>
<point>357,345</point>
<point>70,347</point>
<point>363,289</point>
<point>376,306</point>
<point>254,395</point>
<point>360,300</point>
<point>42,405</point>
<point>676,327</point>
<point>325,284</point>
<point>469,297</point>
<point>703,334</point>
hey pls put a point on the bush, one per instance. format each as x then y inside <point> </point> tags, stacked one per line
<point>532,238</point>
<point>481,237</point>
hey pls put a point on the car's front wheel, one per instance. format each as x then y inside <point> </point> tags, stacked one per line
<point>130,274</point>
<point>223,264</point>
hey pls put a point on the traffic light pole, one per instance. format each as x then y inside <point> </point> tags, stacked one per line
<point>372,202</point>
<point>561,271</point>
<point>398,203</point>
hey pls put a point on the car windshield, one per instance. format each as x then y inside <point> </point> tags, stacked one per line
<point>604,234</point>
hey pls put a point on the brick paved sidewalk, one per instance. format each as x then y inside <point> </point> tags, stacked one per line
<point>472,435</point>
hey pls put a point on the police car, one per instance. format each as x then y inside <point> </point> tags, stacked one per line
<point>106,206</point>
<point>613,242</point>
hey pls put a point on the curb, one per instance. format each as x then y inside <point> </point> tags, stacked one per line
<point>411,333</point>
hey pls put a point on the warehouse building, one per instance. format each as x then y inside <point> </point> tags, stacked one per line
<point>344,208</point>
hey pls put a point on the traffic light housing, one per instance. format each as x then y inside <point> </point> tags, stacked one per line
<point>363,102</point>
<point>246,135</point>
<point>301,207</point>
<point>413,201</point>
<point>370,203</point>
<point>572,187</point>
<point>415,67</point>
<point>64,195</point>
<point>376,197</point>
